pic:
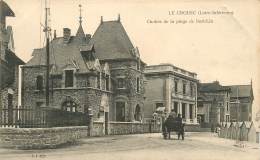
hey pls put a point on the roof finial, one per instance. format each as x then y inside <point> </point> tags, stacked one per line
<point>80,16</point>
<point>118,19</point>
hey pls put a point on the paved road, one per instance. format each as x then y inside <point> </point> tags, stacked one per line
<point>197,146</point>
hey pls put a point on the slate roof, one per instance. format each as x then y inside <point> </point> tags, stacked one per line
<point>62,55</point>
<point>6,10</point>
<point>242,90</point>
<point>112,42</point>
<point>212,87</point>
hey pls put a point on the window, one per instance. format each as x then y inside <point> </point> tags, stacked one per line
<point>227,107</point>
<point>98,81</point>
<point>39,105</point>
<point>69,78</point>
<point>107,82</point>
<point>184,88</point>
<point>120,111</point>
<point>138,84</point>
<point>183,108</point>
<point>227,118</point>
<point>69,106</point>
<point>137,115</point>
<point>176,86</point>
<point>175,107</point>
<point>191,89</point>
<point>191,111</point>
<point>120,83</point>
<point>39,83</point>
<point>200,104</point>
<point>87,83</point>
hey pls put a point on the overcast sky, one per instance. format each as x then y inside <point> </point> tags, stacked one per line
<point>226,50</point>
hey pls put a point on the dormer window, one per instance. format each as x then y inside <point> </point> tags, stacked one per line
<point>69,78</point>
<point>39,83</point>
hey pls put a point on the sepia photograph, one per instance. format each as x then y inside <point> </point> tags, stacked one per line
<point>130,80</point>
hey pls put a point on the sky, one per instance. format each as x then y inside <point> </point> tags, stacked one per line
<point>226,50</point>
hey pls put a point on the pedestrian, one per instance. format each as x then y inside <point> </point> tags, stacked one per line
<point>180,127</point>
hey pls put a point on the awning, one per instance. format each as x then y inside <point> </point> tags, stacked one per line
<point>160,109</point>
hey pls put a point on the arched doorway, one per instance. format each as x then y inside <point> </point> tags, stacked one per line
<point>70,105</point>
<point>138,115</point>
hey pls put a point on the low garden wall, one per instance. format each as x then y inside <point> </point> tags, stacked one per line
<point>39,138</point>
<point>116,128</point>
<point>119,128</point>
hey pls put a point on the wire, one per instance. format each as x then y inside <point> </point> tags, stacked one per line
<point>40,24</point>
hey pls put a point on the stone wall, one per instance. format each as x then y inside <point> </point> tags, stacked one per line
<point>120,128</point>
<point>116,128</point>
<point>38,138</point>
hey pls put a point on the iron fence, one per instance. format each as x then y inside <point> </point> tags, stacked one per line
<point>29,117</point>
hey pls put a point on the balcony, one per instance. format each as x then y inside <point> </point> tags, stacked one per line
<point>169,68</point>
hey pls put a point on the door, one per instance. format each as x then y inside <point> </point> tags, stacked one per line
<point>120,111</point>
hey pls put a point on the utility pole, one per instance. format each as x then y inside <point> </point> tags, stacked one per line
<point>46,30</point>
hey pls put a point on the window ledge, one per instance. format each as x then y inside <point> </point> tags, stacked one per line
<point>38,91</point>
<point>121,88</point>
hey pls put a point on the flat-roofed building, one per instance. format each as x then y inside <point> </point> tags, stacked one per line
<point>170,88</point>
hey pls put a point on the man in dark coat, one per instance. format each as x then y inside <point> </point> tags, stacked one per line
<point>181,127</point>
<point>169,124</point>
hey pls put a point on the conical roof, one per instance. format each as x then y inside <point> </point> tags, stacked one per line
<point>80,32</point>
<point>112,42</point>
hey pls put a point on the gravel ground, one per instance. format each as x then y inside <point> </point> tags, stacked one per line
<point>196,146</point>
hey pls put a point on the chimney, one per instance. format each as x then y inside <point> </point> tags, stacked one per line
<point>66,35</point>
<point>88,37</point>
<point>101,19</point>
<point>118,19</point>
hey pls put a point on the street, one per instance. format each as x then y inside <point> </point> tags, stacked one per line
<point>201,146</point>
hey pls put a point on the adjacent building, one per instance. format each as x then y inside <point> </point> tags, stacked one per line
<point>172,89</point>
<point>241,100</point>
<point>102,72</point>
<point>9,62</point>
<point>213,104</point>
<point>258,116</point>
